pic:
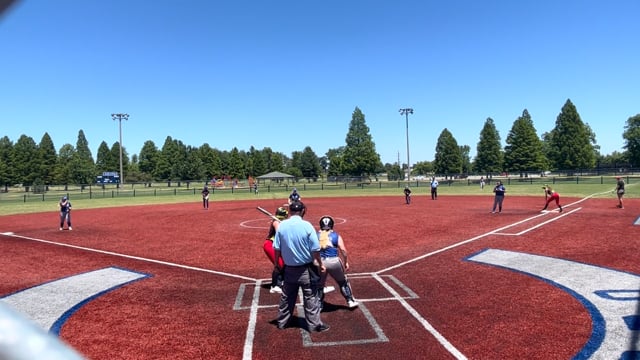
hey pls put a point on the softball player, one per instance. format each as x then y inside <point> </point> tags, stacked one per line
<point>407,195</point>
<point>619,191</point>
<point>330,243</point>
<point>276,275</point>
<point>205,198</point>
<point>65,212</point>
<point>551,195</point>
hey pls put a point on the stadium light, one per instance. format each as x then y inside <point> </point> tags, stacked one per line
<point>406,112</point>
<point>119,117</point>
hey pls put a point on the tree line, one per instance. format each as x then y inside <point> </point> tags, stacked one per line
<point>570,145</point>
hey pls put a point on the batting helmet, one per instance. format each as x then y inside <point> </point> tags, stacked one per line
<point>326,223</point>
<point>282,213</point>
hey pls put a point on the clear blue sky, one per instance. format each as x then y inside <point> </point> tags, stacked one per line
<point>289,74</point>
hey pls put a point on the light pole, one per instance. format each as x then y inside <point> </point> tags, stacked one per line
<point>119,117</point>
<point>406,112</point>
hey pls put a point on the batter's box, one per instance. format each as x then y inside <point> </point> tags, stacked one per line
<point>371,287</point>
<point>366,288</point>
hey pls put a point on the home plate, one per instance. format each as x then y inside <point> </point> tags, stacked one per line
<point>10,233</point>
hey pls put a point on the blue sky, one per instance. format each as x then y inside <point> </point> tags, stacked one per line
<point>289,74</point>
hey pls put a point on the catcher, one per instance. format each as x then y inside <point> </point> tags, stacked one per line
<point>551,195</point>
<point>276,275</point>
<point>65,212</point>
<point>331,244</point>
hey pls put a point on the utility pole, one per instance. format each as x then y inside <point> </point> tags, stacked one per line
<point>119,117</point>
<point>406,112</point>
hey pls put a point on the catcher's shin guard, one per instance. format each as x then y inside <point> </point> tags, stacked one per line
<point>345,289</point>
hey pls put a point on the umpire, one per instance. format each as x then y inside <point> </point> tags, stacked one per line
<point>296,241</point>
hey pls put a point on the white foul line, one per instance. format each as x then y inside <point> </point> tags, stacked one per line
<point>133,257</point>
<point>548,221</point>
<point>441,339</point>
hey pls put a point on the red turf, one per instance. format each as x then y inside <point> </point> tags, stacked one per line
<point>188,313</point>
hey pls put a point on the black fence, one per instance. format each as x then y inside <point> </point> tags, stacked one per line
<point>193,188</point>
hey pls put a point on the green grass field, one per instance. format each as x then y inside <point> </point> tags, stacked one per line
<point>19,202</point>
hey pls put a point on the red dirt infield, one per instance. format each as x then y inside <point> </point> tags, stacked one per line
<point>423,274</point>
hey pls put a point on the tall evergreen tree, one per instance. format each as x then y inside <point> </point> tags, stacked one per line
<point>172,161</point>
<point>448,158</point>
<point>489,156</point>
<point>631,137</point>
<point>293,166</point>
<point>114,158</point>
<point>275,160</point>
<point>236,164</point>
<point>179,168</point>
<point>209,159</point>
<point>267,152</point>
<point>523,152</point>
<point>571,142</point>
<point>25,160</point>
<point>166,160</point>
<point>256,163</point>
<point>309,163</point>
<point>194,166</point>
<point>48,157</point>
<point>217,168</point>
<point>7,176</point>
<point>148,159</point>
<point>83,165</point>
<point>360,156</point>
<point>104,161</point>
<point>64,169</point>
<point>259,163</point>
<point>225,161</point>
<point>465,150</point>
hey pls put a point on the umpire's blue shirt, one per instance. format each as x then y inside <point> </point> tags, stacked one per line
<point>297,240</point>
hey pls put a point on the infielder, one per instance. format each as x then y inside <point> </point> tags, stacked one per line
<point>65,212</point>
<point>551,195</point>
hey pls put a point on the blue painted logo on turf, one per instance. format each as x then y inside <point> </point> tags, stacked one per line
<point>611,297</point>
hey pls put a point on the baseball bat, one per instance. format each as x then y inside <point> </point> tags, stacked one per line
<point>264,211</point>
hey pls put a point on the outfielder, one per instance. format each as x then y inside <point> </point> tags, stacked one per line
<point>205,198</point>
<point>407,195</point>
<point>619,191</point>
<point>65,212</point>
<point>330,243</point>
